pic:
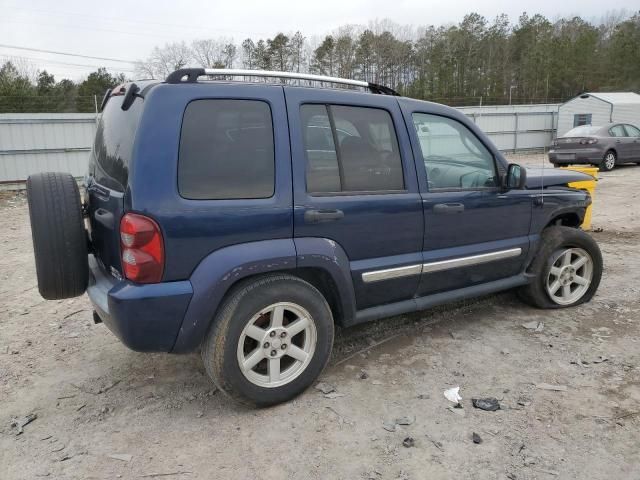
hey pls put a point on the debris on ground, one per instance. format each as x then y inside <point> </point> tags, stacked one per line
<point>21,422</point>
<point>405,420</point>
<point>325,387</point>
<point>555,388</point>
<point>489,404</point>
<point>408,442</point>
<point>458,410</point>
<point>436,444</point>
<point>363,375</point>
<point>524,401</point>
<point>476,438</point>
<point>536,326</point>
<point>123,457</point>
<point>332,395</point>
<point>389,426</point>
<point>453,395</point>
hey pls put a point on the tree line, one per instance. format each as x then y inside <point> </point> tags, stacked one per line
<point>22,91</point>
<point>475,61</point>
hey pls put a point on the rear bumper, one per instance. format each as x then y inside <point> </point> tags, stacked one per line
<point>579,156</point>
<point>146,318</point>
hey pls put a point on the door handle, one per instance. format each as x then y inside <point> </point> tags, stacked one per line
<point>323,215</point>
<point>448,208</point>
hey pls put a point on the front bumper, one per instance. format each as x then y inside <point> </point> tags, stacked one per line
<point>146,318</point>
<point>592,156</point>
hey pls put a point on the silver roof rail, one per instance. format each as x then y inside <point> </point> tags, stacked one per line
<point>190,75</point>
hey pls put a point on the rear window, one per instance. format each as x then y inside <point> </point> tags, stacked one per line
<point>113,144</point>
<point>582,131</point>
<point>226,150</point>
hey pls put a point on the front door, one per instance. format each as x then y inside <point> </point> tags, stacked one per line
<point>474,232</point>
<point>634,135</point>
<point>355,184</point>
<point>623,143</point>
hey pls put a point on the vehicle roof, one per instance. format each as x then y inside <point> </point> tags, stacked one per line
<point>602,130</point>
<point>615,97</point>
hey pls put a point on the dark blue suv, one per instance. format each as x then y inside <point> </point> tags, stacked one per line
<point>247,219</point>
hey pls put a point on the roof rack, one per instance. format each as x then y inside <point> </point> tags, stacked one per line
<point>190,75</point>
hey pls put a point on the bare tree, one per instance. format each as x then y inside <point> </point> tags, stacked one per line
<point>218,53</point>
<point>164,60</point>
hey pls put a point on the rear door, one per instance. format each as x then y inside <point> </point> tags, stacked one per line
<point>623,143</point>
<point>634,134</point>
<point>474,231</point>
<point>355,184</point>
<point>107,178</point>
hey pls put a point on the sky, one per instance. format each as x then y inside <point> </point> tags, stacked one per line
<point>129,30</point>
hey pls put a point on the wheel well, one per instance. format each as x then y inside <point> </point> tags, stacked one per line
<point>611,150</point>
<point>570,219</point>
<point>324,283</point>
<point>317,277</point>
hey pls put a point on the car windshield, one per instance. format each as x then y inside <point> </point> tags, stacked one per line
<point>582,131</point>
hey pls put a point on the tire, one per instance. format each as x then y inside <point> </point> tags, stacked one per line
<point>556,244</point>
<point>59,237</point>
<point>228,341</point>
<point>608,161</point>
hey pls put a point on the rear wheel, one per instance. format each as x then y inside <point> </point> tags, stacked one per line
<point>567,269</point>
<point>608,162</point>
<point>270,341</point>
<point>59,237</point>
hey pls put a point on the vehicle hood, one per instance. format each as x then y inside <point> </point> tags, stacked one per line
<point>538,177</point>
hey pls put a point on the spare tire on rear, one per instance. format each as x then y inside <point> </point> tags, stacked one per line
<point>59,237</point>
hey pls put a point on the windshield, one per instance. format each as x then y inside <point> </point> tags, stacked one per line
<point>582,131</point>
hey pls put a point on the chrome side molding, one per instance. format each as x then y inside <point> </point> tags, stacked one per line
<point>409,270</point>
<point>389,273</point>
<point>469,261</point>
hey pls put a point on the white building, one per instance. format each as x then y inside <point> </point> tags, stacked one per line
<point>599,109</point>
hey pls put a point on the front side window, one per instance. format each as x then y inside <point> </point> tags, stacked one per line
<point>617,131</point>
<point>454,157</point>
<point>226,150</point>
<point>350,149</point>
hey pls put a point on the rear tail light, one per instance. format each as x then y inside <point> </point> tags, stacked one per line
<point>142,249</point>
<point>588,141</point>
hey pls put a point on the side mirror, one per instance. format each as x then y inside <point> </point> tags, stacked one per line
<point>516,177</point>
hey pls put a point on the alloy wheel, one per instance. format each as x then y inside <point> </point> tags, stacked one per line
<point>277,345</point>
<point>610,161</point>
<point>570,276</point>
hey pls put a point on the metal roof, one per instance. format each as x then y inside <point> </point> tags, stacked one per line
<point>615,97</point>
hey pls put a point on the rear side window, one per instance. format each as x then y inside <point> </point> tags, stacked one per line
<point>226,150</point>
<point>113,144</point>
<point>617,131</point>
<point>350,149</point>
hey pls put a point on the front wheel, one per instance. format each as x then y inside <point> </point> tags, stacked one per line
<point>270,341</point>
<point>608,162</point>
<point>567,269</point>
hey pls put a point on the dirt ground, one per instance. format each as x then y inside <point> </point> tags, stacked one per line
<point>105,412</point>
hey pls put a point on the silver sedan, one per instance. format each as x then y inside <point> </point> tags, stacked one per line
<point>605,146</point>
